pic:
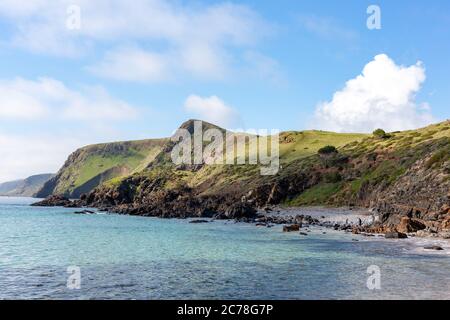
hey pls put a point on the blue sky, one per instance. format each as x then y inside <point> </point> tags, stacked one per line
<point>132,72</point>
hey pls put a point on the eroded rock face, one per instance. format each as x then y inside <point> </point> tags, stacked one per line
<point>409,225</point>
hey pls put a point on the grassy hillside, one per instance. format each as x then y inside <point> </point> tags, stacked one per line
<point>377,163</point>
<point>110,163</point>
<point>296,145</point>
<point>89,166</point>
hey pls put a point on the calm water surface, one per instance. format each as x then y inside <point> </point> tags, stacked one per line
<point>124,257</point>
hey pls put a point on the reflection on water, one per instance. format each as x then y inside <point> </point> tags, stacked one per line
<point>125,257</point>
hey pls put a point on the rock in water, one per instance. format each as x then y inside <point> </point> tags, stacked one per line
<point>437,248</point>
<point>291,228</point>
<point>198,221</point>
<point>395,235</point>
<point>54,201</point>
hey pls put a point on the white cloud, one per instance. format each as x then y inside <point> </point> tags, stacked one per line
<point>199,40</point>
<point>212,109</point>
<point>383,96</point>
<point>18,100</point>
<point>29,99</point>
<point>132,64</point>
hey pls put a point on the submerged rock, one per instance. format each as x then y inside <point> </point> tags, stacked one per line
<point>84,212</point>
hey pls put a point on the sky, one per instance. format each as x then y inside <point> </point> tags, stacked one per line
<point>78,72</point>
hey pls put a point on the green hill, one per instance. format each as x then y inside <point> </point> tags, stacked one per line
<point>93,165</point>
<point>88,167</point>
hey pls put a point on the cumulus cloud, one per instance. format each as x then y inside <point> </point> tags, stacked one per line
<point>383,96</point>
<point>198,39</point>
<point>212,109</point>
<point>37,99</point>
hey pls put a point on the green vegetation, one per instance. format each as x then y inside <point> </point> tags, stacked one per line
<point>381,134</point>
<point>439,158</point>
<point>304,144</point>
<point>327,150</point>
<point>317,195</point>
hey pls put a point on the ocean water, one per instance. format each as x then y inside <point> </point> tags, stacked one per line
<point>124,257</point>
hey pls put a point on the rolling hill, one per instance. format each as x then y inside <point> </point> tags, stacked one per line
<point>24,188</point>
<point>93,165</point>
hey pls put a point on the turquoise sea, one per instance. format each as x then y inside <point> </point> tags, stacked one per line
<point>125,257</point>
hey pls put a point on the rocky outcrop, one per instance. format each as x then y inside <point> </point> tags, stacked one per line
<point>54,201</point>
<point>408,225</point>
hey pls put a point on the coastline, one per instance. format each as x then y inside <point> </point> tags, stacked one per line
<point>355,220</point>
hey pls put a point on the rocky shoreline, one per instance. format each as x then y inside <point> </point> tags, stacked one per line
<point>358,221</point>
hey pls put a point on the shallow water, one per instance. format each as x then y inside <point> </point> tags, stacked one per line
<point>125,257</point>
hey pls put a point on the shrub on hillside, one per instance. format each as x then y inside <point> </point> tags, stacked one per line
<point>327,150</point>
<point>438,158</point>
<point>332,177</point>
<point>381,134</point>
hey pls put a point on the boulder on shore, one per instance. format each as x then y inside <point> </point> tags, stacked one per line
<point>408,225</point>
<point>54,201</point>
<point>240,210</point>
